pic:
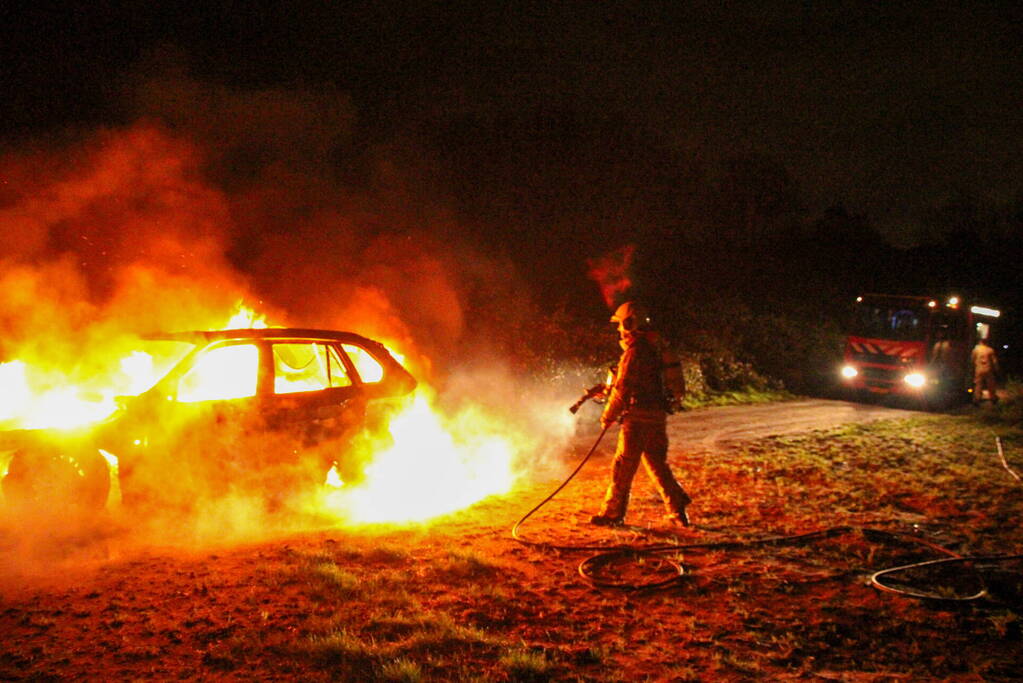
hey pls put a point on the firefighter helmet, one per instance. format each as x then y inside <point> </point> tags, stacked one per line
<point>631,316</point>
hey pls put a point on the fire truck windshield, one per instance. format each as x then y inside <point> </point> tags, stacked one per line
<point>890,321</point>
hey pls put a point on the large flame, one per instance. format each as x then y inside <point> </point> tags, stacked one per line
<point>35,398</point>
<point>37,395</point>
<point>423,463</point>
<point>436,464</point>
<point>143,228</point>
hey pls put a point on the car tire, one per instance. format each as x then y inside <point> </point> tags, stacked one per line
<point>57,481</point>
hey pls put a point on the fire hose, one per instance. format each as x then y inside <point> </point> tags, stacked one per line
<point>605,555</point>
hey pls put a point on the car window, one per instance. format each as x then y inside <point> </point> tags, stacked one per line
<point>887,322</point>
<point>366,365</point>
<point>151,361</point>
<point>305,366</point>
<point>220,374</point>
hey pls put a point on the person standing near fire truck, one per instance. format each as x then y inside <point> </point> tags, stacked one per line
<point>985,369</point>
<point>637,399</point>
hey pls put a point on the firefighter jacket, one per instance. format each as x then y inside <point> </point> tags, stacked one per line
<point>984,360</point>
<point>637,389</point>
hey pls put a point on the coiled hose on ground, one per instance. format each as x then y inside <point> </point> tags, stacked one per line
<point>665,553</point>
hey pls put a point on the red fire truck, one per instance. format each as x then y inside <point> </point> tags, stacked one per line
<point>918,347</point>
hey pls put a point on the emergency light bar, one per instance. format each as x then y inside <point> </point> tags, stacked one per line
<point>981,310</point>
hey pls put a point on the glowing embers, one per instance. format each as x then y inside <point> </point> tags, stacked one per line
<point>434,466</point>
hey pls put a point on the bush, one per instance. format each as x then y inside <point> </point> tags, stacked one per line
<point>800,352</point>
<point>725,346</point>
<point>1009,410</point>
<point>737,347</point>
<point>723,372</point>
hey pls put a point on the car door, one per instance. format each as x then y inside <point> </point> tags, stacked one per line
<point>198,424</point>
<point>314,393</point>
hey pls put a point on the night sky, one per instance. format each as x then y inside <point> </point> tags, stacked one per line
<point>563,128</point>
<point>889,106</point>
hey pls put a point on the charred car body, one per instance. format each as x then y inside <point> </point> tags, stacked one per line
<point>264,410</point>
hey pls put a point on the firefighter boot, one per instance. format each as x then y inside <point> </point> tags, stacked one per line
<point>604,520</point>
<point>679,514</point>
<point>679,517</point>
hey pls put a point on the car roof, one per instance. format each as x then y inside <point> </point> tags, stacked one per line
<point>273,333</point>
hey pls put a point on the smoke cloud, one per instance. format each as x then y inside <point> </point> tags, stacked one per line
<point>611,273</point>
<point>208,196</point>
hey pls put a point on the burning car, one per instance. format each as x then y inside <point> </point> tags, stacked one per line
<point>257,410</point>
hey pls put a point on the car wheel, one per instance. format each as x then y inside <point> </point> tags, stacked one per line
<point>56,481</point>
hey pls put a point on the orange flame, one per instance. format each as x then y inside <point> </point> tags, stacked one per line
<point>36,395</point>
<point>423,464</point>
<point>122,229</point>
<point>23,406</point>
<point>244,318</point>
<point>437,464</point>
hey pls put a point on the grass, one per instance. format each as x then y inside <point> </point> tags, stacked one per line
<point>340,649</point>
<point>525,665</point>
<point>374,623</point>
<point>467,603</point>
<point>333,581</point>
<point>746,396</point>
<point>395,647</point>
<point>467,565</point>
<point>403,670</point>
<point>1008,411</point>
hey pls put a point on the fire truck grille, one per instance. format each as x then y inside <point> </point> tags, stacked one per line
<point>874,358</point>
<point>880,376</point>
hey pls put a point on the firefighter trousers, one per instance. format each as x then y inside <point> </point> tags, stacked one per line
<point>646,440</point>
<point>985,380</point>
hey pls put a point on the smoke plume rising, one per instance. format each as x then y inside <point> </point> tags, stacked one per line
<point>611,273</point>
<point>207,197</point>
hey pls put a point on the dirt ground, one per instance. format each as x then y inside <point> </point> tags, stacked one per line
<point>460,599</point>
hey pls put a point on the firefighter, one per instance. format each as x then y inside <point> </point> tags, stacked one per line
<point>985,369</point>
<point>637,399</point>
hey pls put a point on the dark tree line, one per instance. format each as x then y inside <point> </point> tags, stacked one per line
<point>728,253</point>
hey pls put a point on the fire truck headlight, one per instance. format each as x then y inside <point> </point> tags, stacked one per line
<point>915,379</point>
<point>849,372</point>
